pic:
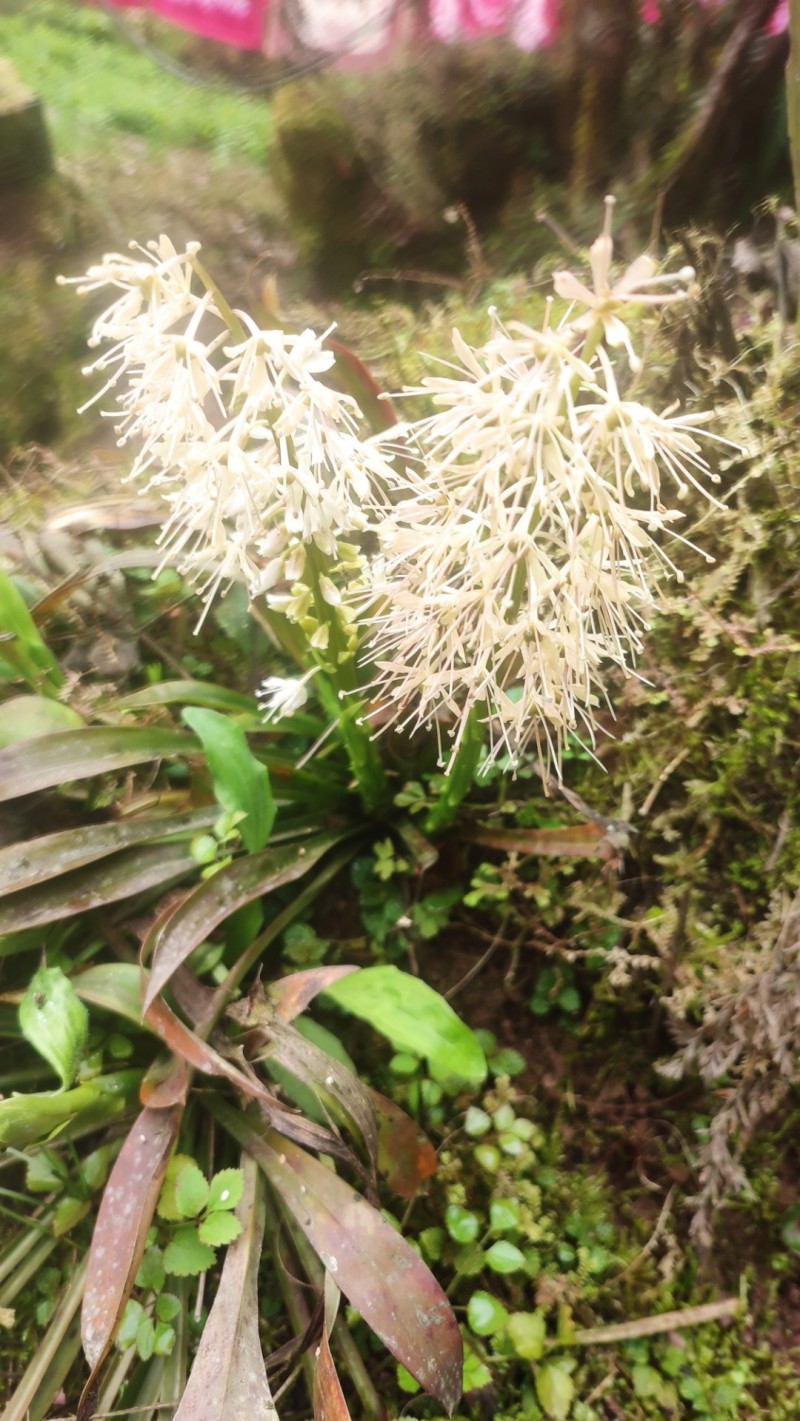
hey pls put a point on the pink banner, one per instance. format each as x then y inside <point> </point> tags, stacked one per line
<point>237,22</point>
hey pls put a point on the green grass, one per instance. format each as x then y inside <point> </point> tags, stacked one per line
<point>98,88</point>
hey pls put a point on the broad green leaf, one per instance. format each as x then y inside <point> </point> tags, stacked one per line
<point>226,1189</point>
<point>32,861</point>
<point>191,1191</point>
<point>185,1256</point>
<point>30,1119</point>
<point>219,1228</point>
<point>25,717</point>
<point>55,1022</point>
<point>241,782</point>
<point>78,754</point>
<point>22,644</point>
<point>176,935</point>
<point>555,1390</point>
<point>415,1018</point>
<point>228,1381</point>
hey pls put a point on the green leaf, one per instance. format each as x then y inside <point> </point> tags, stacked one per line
<point>164,1339</point>
<point>462,1224</point>
<point>476,1372</point>
<point>477,1122</point>
<point>25,717</point>
<point>145,1339</point>
<point>219,1228</point>
<point>241,782</point>
<point>526,1332</point>
<point>555,1390</point>
<point>55,1022</point>
<point>167,1307</point>
<point>647,1382</point>
<point>22,644</point>
<point>167,1206</point>
<point>414,1018</point>
<point>505,1257</point>
<point>485,1314</point>
<point>131,1320</point>
<point>151,1270</point>
<point>185,1256</point>
<point>68,1212</point>
<point>44,1172</point>
<point>191,1190</point>
<point>28,1119</point>
<point>504,1215</point>
<point>226,1189</point>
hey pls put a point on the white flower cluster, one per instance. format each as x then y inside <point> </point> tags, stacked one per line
<point>523,556</point>
<point>257,458</point>
<point>518,532</point>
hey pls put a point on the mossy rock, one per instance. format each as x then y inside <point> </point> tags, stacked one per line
<point>25,154</point>
<point>42,326</point>
<point>368,165</point>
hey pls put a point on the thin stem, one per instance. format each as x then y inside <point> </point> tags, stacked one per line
<point>460,777</point>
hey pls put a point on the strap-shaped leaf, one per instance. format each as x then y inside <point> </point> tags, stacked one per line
<point>120,1235</point>
<point>375,1268</point>
<point>122,876</point>
<point>36,860</point>
<point>77,754</point>
<point>176,935</point>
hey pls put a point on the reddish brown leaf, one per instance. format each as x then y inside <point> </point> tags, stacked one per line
<point>120,1233</point>
<point>406,1157</point>
<point>375,1268</point>
<point>228,1381</point>
<point>343,1097</point>
<point>32,861</point>
<point>183,1042</point>
<point>176,935</point>
<point>329,1402</point>
<point>579,841</point>
<point>359,382</point>
<point>166,1083</point>
<point>119,876</point>
<point>294,993</point>
<point>77,754</point>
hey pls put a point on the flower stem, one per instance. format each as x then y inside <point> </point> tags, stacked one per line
<point>460,776</point>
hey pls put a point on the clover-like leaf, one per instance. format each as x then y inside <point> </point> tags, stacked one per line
<point>185,1256</point>
<point>225,1190</point>
<point>219,1228</point>
<point>191,1190</point>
